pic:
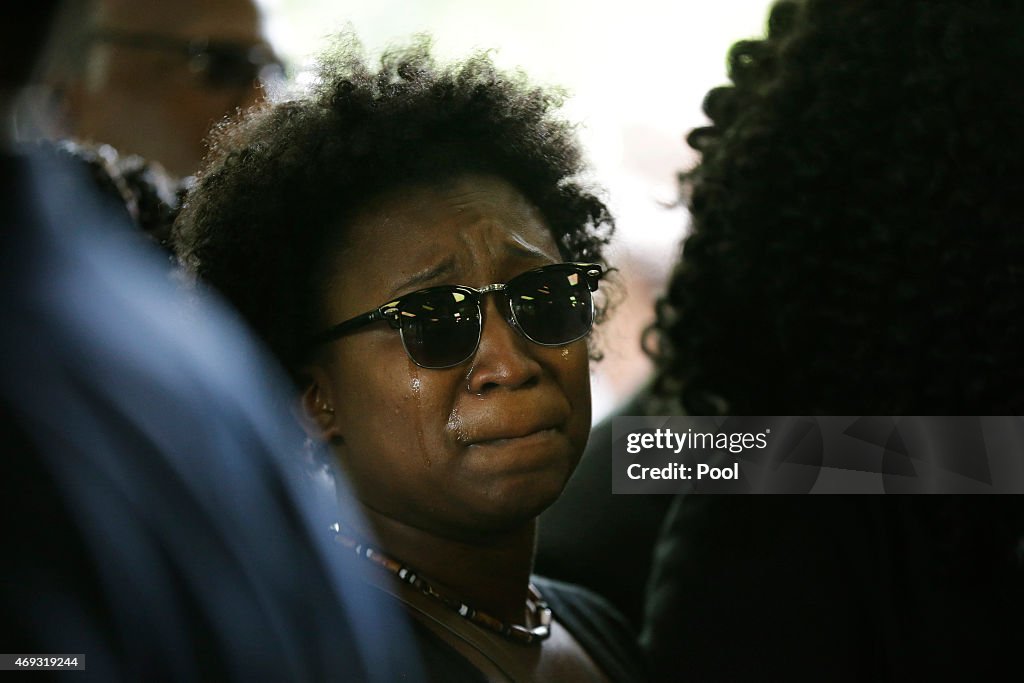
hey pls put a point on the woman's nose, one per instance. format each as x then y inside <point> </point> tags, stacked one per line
<point>504,359</point>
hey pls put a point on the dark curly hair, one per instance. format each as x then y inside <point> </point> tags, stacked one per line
<point>857,241</point>
<point>264,215</point>
<point>144,191</point>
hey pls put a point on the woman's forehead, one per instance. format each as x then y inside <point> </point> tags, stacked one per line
<point>474,230</point>
<point>470,194</point>
<point>473,216</point>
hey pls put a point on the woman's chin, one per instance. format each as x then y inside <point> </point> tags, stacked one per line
<point>517,500</point>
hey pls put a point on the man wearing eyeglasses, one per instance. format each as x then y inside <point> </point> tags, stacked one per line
<point>150,77</point>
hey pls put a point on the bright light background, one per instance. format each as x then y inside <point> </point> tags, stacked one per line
<point>636,73</point>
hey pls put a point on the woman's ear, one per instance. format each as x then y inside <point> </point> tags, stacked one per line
<point>317,407</point>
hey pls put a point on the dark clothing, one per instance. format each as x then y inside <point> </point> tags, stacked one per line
<point>595,624</point>
<point>156,517</point>
<point>599,540</point>
<point>837,588</point>
<point>599,628</point>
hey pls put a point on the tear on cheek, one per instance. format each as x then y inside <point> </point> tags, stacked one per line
<point>417,410</point>
<point>455,426</point>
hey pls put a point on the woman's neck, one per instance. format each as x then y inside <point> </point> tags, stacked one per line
<point>491,574</point>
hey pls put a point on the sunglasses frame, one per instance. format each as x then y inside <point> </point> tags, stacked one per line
<point>203,55</point>
<point>390,313</point>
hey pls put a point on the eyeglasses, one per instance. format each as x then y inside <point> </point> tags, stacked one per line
<point>219,63</point>
<point>441,326</point>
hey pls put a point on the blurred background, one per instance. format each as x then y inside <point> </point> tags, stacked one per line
<point>635,74</point>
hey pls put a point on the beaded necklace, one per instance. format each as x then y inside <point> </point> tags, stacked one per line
<point>535,604</point>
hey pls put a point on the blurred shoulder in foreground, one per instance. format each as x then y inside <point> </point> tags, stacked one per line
<point>158,517</point>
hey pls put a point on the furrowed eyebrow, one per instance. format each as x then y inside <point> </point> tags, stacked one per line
<point>518,248</point>
<point>445,267</point>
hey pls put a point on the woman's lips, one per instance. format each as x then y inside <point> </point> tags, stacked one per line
<point>525,439</point>
<point>505,431</point>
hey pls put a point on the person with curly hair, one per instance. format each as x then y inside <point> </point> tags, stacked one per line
<point>856,231</point>
<point>413,242</point>
<point>856,249</point>
<point>150,197</point>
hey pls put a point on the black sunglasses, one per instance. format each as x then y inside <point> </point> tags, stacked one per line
<point>441,326</point>
<point>219,63</point>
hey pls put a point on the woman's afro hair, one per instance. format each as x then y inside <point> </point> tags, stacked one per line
<point>278,184</point>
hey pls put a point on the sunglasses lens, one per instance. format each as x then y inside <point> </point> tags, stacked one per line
<point>552,306</point>
<point>440,328</point>
<point>228,69</point>
<point>227,65</point>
